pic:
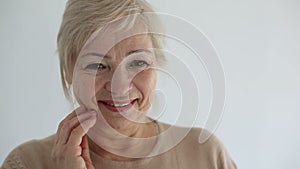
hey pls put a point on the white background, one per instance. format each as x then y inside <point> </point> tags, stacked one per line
<point>258,43</point>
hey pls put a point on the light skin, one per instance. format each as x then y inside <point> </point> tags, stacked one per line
<point>124,74</point>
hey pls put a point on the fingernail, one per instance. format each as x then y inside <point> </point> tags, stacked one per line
<point>89,123</point>
<point>94,113</point>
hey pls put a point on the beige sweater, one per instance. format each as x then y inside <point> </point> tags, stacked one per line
<point>187,154</point>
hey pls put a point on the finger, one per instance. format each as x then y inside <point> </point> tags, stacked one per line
<point>85,150</point>
<point>89,166</point>
<point>80,110</point>
<point>68,126</point>
<point>77,133</point>
<point>70,116</point>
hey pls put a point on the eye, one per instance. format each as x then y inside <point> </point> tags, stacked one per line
<point>138,64</point>
<point>96,66</point>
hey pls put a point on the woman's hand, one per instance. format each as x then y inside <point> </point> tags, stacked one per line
<point>71,150</point>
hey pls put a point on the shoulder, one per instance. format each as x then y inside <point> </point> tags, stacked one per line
<point>210,146</point>
<point>191,136</point>
<point>29,154</point>
<point>201,146</point>
<point>37,145</point>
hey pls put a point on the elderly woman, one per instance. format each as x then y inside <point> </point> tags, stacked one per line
<point>109,55</point>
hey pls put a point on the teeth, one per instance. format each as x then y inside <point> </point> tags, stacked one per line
<point>119,105</point>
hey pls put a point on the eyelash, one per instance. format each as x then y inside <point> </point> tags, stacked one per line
<point>95,66</point>
<point>133,64</point>
<point>138,64</point>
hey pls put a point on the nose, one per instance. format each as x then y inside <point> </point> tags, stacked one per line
<point>120,84</point>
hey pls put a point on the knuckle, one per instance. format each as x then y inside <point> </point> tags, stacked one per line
<point>67,126</point>
<point>64,126</point>
<point>58,153</point>
<point>61,124</point>
<point>53,155</point>
<point>77,131</point>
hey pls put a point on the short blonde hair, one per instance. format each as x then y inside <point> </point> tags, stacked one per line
<point>83,17</point>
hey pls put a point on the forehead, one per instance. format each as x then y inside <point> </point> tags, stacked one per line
<point>112,36</point>
<point>142,41</point>
<point>137,41</point>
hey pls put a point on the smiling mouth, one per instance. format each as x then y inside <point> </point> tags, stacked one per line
<point>117,106</point>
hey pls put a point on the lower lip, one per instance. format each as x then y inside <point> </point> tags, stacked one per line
<point>118,109</point>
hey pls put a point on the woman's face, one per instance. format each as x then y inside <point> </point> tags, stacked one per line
<point>120,82</point>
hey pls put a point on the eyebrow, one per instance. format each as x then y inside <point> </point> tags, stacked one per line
<point>107,56</point>
<point>95,54</point>
<point>138,51</point>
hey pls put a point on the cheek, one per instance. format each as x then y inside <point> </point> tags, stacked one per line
<point>146,82</point>
<point>83,87</point>
<point>99,84</point>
